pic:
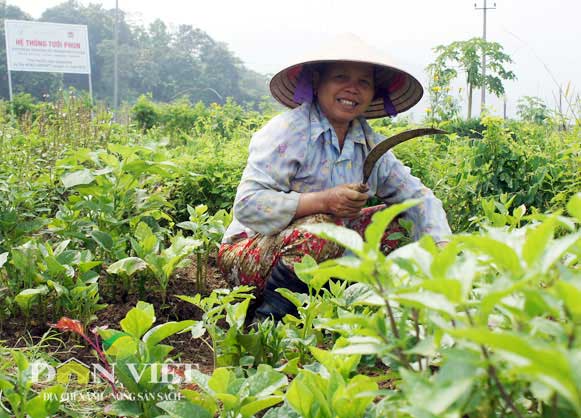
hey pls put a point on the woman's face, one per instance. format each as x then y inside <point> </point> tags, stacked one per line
<point>344,91</point>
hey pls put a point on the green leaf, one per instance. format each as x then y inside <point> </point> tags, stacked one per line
<point>306,395</point>
<point>434,396</point>
<point>338,234</point>
<point>77,178</point>
<point>537,238</point>
<point>162,331</point>
<point>305,268</point>
<point>500,253</point>
<point>251,408</point>
<point>351,401</point>
<point>184,409</point>
<point>125,408</point>
<point>46,403</point>
<point>221,380</point>
<point>344,364</point>
<point>205,400</point>
<point>198,329</point>
<point>574,206</point>
<point>297,299</point>
<point>194,300</point>
<point>449,288</point>
<point>428,300</point>
<point>146,238</point>
<point>229,401</point>
<point>25,297</point>
<point>138,320</point>
<point>264,382</point>
<point>362,345</point>
<point>380,221</point>
<point>444,260</point>
<point>501,288</point>
<point>188,225</point>
<point>58,288</point>
<point>557,249</point>
<point>103,239</point>
<point>413,257</point>
<point>529,357</point>
<point>290,368</point>
<point>253,344</point>
<point>425,347</point>
<point>571,296</point>
<point>128,266</point>
<point>122,346</point>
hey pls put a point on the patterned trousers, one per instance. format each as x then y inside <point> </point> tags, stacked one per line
<point>249,261</point>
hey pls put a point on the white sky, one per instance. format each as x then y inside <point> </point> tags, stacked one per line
<point>542,37</point>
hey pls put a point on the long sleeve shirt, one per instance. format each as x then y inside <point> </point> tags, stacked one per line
<point>298,152</point>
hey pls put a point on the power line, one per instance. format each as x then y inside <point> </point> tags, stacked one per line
<point>484,9</point>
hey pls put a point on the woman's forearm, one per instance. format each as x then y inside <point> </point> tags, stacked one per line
<point>311,203</point>
<point>344,201</point>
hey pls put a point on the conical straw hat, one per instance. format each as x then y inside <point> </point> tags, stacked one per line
<point>403,89</point>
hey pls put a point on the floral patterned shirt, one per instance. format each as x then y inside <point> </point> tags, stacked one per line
<point>298,152</point>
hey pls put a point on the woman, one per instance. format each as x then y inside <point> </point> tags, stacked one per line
<point>306,166</point>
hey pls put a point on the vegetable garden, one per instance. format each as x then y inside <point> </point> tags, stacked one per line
<point>108,238</point>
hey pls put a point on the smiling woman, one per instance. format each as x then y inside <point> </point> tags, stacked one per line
<point>306,166</point>
<point>344,91</point>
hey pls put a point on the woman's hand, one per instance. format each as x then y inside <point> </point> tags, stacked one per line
<point>346,200</point>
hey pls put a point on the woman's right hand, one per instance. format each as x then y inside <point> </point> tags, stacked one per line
<point>346,200</point>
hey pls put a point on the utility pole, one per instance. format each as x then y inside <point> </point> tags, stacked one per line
<point>504,107</point>
<point>484,9</point>
<point>115,54</point>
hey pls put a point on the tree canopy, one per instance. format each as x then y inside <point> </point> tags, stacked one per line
<point>467,55</point>
<point>166,63</point>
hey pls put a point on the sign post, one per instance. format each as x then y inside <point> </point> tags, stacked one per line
<point>10,85</point>
<point>47,47</point>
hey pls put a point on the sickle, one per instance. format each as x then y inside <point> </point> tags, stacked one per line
<point>387,144</point>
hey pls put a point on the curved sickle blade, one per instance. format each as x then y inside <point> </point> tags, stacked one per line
<point>387,144</point>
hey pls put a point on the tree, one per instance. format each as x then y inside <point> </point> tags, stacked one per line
<point>442,105</point>
<point>532,109</point>
<point>153,59</point>
<point>467,55</point>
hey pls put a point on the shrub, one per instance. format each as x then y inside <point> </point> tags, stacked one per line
<point>472,128</point>
<point>146,113</point>
<point>532,109</point>
<point>22,103</point>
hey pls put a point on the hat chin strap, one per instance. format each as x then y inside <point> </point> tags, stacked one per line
<point>304,88</point>
<point>388,106</point>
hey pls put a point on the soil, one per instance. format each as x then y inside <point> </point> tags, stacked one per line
<point>18,332</point>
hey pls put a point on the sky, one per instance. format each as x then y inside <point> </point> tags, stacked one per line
<point>542,37</point>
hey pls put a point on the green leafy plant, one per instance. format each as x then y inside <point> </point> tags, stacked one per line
<point>233,396</point>
<point>208,230</point>
<point>53,280</point>
<point>160,261</point>
<point>328,390</point>
<point>229,305</point>
<point>140,360</point>
<point>488,337</point>
<point>17,397</point>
